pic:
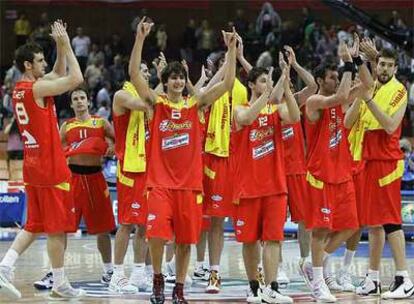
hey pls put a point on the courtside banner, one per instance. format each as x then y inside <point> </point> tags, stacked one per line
<point>11,209</point>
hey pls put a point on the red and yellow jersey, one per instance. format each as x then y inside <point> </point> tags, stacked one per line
<point>379,145</point>
<point>85,137</point>
<point>175,159</point>
<point>44,160</point>
<point>294,145</point>
<point>329,159</point>
<point>262,167</point>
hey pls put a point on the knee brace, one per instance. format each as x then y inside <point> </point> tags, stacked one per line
<point>390,228</point>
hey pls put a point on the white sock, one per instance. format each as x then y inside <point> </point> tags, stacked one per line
<point>9,258</point>
<point>317,274</point>
<point>148,269</point>
<point>119,270</point>
<point>107,267</point>
<point>348,257</point>
<point>402,273</point>
<point>326,264</point>
<point>373,275</point>
<point>199,264</point>
<point>139,267</point>
<point>215,268</point>
<point>58,277</point>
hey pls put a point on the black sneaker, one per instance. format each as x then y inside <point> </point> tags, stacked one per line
<point>178,294</point>
<point>157,296</point>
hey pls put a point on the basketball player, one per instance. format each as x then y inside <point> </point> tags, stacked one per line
<point>332,207</point>
<point>84,138</point>
<point>377,140</point>
<point>174,198</point>
<point>130,115</point>
<point>261,211</point>
<point>50,205</point>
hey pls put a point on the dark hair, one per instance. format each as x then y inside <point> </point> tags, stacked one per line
<point>255,73</point>
<point>82,87</point>
<point>388,53</point>
<point>26,52</point>
<point>320,70</point>
<point>174,67</point>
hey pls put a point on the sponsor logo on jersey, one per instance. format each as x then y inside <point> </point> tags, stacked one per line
<point>239,223</point>
<point>326,210</point>
<point>135,205</point>
<point>396,100</point>
<point>151,217</point>
<point>175,141</point>
<point>259,134</point>
<point>335,139</point>
<point>175,114</point>
<point>264,149</point>
<point>287,133</point>
<point>168,125</point>
<point>216,198</point>
<point>18,95</point>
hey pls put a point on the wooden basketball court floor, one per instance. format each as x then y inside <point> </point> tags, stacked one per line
<point>83,267</point>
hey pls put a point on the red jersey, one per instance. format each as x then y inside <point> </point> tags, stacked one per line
<point>379,145</point>
<point>294,145</point>
<point>175,160</point>
<point>329,159</point>
<point>262,169</point>
<point>44,160</point>
<point>85,137</point>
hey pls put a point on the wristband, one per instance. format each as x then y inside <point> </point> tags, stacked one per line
<point>358,60</point>
<point>348,67</point>
<point>367,102</point>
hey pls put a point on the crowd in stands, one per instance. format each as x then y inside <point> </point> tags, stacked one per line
<point>105,69</point>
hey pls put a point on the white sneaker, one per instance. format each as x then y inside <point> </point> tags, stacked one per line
<point>66,291</point>
<point>369,287</point>
<point>306,271</point>
<point>6,287</point>
<point>321,292</point>
<point>253,292</point>
<point>120,284</point>
<point>201,273</point>
<point>282,278</point>
<point>401,288</point>
<point>106,277</point>
<point>270,294</point>
<point>139,279</point>
<point>344,279</point>
<point>44,283</point>
<point>332,284</point>
<point>214,282</point>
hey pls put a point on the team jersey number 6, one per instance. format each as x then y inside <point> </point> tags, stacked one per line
<point>21,114</point>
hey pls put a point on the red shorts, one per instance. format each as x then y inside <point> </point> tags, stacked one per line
<point>333,207</point>
<point>381,193</point>
<point>206,223</point>
<point>358,179</point>
<point>218,186</point>
<point>132,201</point>
<point>297,198</point>
<point>261,218</point>
<point>92,201</point>
<point>50,209</point>
<point>174,213</point>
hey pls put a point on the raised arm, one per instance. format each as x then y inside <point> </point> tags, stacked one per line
<point>124,100</point>
<point>364,74</point>
<point>59,69</point>
<point>367,47</point>
<point>137,79</point>
<point>311,86</point>
<point>211,95</point>
<point>189,84</point>
<point>289,111</point>
<point>240,55</point>
<point>62,134</point>
<point>317,102</point>
<point>202,80</point>
<point>278,90</point>
<point>60,85</point>
<point>352,114</point>
<point>159,66</point>
<point>246,115</point>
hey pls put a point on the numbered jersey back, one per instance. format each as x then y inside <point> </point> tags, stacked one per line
<point>44,161</point>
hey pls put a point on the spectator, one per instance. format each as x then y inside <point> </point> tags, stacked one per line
<point>104,94</point>
<point>396,23</point>
<point>189,41</point>
<point>7,102</point>
<point>116,45</point>
<point>95,54</point>
<point>41,36</point>
<point>205,39</point>
<point>408,175</point>
<point>80,44</point>
<point>117,72</point>
<point>162,38</point>
<point>22,29</point>
<point>267,20</point>
<point>104,111</point>
<point>108,53</point>
<point>14,142</point>
<point>12,76</point>
<point>94,75</point>
<point>241,23</point>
